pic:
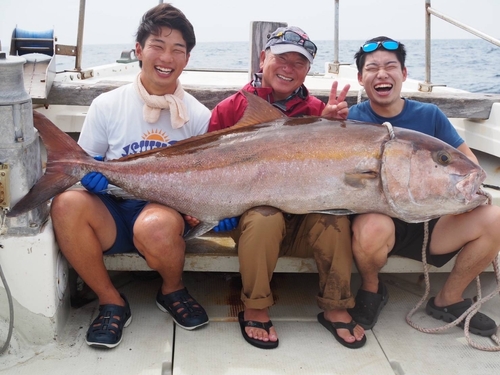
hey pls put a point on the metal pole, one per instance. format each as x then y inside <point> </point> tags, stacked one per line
<point>427,85</point>
<point>336,35</point>
<point>463,26</point>
<point>334,67</point>
<point>79,37</point>
<point>427,43</point>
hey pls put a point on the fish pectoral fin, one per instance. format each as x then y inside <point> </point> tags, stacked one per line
<point>339,211</point>
<point>357,179</point>
<point>202,228</point>
<point>258,111</point>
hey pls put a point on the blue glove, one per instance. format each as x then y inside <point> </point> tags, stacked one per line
<point>95,182</point>
<point>226,225</point>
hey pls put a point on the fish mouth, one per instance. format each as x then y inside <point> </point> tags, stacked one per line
<point>485,194</point>
<point>469,187</point>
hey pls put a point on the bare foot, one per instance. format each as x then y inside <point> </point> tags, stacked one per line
<point>259,315</point>
<point>343,316</point>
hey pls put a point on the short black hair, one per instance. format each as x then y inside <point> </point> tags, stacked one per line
<point>165,15</point>
<point>360,56</point>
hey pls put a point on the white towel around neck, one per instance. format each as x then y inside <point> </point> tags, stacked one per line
<point>153,104</point>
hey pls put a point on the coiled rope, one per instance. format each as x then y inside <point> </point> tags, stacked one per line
<point>471,311</point>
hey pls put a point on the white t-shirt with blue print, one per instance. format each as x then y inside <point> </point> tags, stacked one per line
<point>114,126</point>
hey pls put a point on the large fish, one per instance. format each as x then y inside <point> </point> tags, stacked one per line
<point>299,165</point>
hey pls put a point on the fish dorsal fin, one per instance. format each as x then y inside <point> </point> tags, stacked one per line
<point>258,111</point>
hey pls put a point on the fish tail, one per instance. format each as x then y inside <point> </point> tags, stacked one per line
<point>63,154</point>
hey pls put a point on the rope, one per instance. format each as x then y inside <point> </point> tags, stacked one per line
<point>471,311</point>
<point>390,129</point>
<point>360,94</point>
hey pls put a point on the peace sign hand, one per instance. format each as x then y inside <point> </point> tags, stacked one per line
<point>337,106</point>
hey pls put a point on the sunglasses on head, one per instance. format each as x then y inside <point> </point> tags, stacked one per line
<point>389,45</point>
<point>293,37</point>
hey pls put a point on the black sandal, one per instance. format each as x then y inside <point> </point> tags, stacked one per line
<point>186,312</point>
<point>368,306</point>
<point>480,324</point>
<point>334,326</point>
<point>106,330</point>
<point>251,323</point>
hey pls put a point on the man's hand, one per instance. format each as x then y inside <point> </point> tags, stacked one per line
<point>337,106</point>
<point>225,225</point>
<point>192,221</point>
<point>95,182</point>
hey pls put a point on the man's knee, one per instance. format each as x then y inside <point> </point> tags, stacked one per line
<point>70,202</point>
<point>371,232</point>
<point>158,224</point>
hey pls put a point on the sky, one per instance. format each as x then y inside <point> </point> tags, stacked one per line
<point>116,21</point>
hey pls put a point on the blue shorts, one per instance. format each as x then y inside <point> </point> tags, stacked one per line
<point>125,213</point>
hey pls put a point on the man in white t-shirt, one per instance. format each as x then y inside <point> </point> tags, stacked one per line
<point>152,112</point>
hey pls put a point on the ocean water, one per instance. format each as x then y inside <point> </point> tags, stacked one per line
<point>468,64</point>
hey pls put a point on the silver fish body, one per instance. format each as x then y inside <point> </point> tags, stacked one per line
<point>299,165</point>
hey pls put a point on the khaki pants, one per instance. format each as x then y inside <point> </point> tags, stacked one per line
<point>265,233</point>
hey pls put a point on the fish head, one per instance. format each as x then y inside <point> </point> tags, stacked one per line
<point>424,178</point>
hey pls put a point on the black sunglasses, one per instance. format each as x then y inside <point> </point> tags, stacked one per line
<point>294,38</point>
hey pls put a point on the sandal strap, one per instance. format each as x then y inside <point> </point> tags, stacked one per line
<point>262,325</point>
<point>341,325</point>
<point>106,317</point>
<point>184,303</point>
<point>107,328</point>
<point>185,310</point>
<point>458,308</point>
<point>479,322</point>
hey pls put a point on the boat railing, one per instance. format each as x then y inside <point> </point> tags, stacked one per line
<point>427,85</point>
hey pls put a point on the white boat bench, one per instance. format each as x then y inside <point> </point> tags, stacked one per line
<point>214,252</point>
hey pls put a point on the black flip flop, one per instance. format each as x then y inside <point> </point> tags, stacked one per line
<point>333,326</point>
<point>251,323</point>
<point>480,324</point>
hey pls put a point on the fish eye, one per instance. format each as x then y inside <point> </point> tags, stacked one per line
<point>443,158</point>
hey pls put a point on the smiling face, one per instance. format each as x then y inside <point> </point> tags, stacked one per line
<point>163,57</point>
<point>284,73</point>
<point>382,77</point>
